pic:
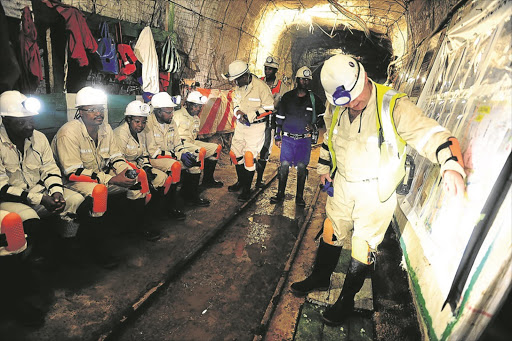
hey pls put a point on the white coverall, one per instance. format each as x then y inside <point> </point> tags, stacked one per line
<point>356,203</point>
<point>24,178</point>
<point>75,150</point>
<point>136,152</point>
<point>163,141</point>
<point>188,127</point>
<point>253,100</point>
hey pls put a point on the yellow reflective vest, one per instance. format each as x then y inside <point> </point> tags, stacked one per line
<point>391,145</point>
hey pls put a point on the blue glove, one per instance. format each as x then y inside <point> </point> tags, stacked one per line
<point>188,159</point>
<point>327,188</point>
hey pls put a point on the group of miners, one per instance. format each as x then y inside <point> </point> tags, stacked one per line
<point>142,161</point>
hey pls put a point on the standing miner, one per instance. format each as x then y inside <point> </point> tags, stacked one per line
<point>278,89</point>
<point>368,126</point>
<point>297,120</point>
<point>252,102</point>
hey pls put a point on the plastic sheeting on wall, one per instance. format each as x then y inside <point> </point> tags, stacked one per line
<point>469,92</point>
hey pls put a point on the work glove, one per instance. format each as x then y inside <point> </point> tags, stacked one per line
<point>327,188</point>
<point>188,159</point>
<point>244,120</point>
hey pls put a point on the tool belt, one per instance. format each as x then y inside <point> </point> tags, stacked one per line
<point>296,136</point>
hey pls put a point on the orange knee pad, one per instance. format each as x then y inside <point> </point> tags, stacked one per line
<point>233,157</point>
<point>12,227</point>
<point>249,159</point>
<point>328,232</point>
<point>202,154</point>
<point>176,172</point>
<point>99,198</point>
<point>218,151</point>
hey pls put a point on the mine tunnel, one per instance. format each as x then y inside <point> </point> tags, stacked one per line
<point>168,170</point>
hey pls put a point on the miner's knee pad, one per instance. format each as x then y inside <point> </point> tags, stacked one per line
<point>249,159</point>
<point>99,196</point>
<point>12,231</point>
<point>233,157</point>
<point>176,172</point>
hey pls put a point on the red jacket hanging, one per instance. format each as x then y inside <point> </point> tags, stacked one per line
<point>80,37</point>
<point>29,48</point>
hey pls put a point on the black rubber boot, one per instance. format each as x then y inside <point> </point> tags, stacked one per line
<point>302,173</point>
<point>190,190</point>
<point>326,260</point>
<point>171,201</point>
<point>208,180</point>
<point>94,236</point>
<point>283,179</point>
<point>246,185</point>
<point>35,240</point>
<point>238,184</point>
<point>344,306</point>
<point>141,221</point>
<point>260,168</point>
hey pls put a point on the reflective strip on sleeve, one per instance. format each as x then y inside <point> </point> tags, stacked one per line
<point>427,137</point>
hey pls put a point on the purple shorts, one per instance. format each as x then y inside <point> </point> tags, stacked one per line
<point>295,151</point>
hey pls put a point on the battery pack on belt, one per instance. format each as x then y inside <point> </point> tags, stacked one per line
<point>296,136</point>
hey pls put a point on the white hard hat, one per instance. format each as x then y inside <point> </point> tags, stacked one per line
<point>271,62</point>
<point>236,69</point>
<point>343,79</point>
<point>164,100</point>
<point>90,96</point>
<point>196,97</point>
<point>304,72</point>
<point>15,104</point>
<point>137,108</point>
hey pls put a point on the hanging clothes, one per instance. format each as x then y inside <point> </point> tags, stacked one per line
<point>80,36</point>
<point>145,51</point>
<point>29,49</point>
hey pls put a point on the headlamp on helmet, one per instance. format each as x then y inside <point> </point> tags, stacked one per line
<point>197,98</point>
<point>304,72</point>
<point>137,108</point>
<point>271,62</point>
<point>15,104</point>
<point>343,79</point>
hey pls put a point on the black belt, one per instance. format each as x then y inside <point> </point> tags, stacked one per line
<point>296,136</point>
<point>261,120</point>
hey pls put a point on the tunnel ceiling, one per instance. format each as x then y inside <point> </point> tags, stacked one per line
<point>377,15</point>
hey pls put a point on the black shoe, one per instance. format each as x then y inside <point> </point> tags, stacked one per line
<point>200,202</point>
<point>212,183</point>
<point>300,202</point>
<point>244,196</point>
<point>278,198</point>
<point>151,235</point>
<point>235,187</point>
<point>259,184</point>
<point>177,214</point>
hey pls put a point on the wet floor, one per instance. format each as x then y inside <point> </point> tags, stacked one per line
<point>224,293</point>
